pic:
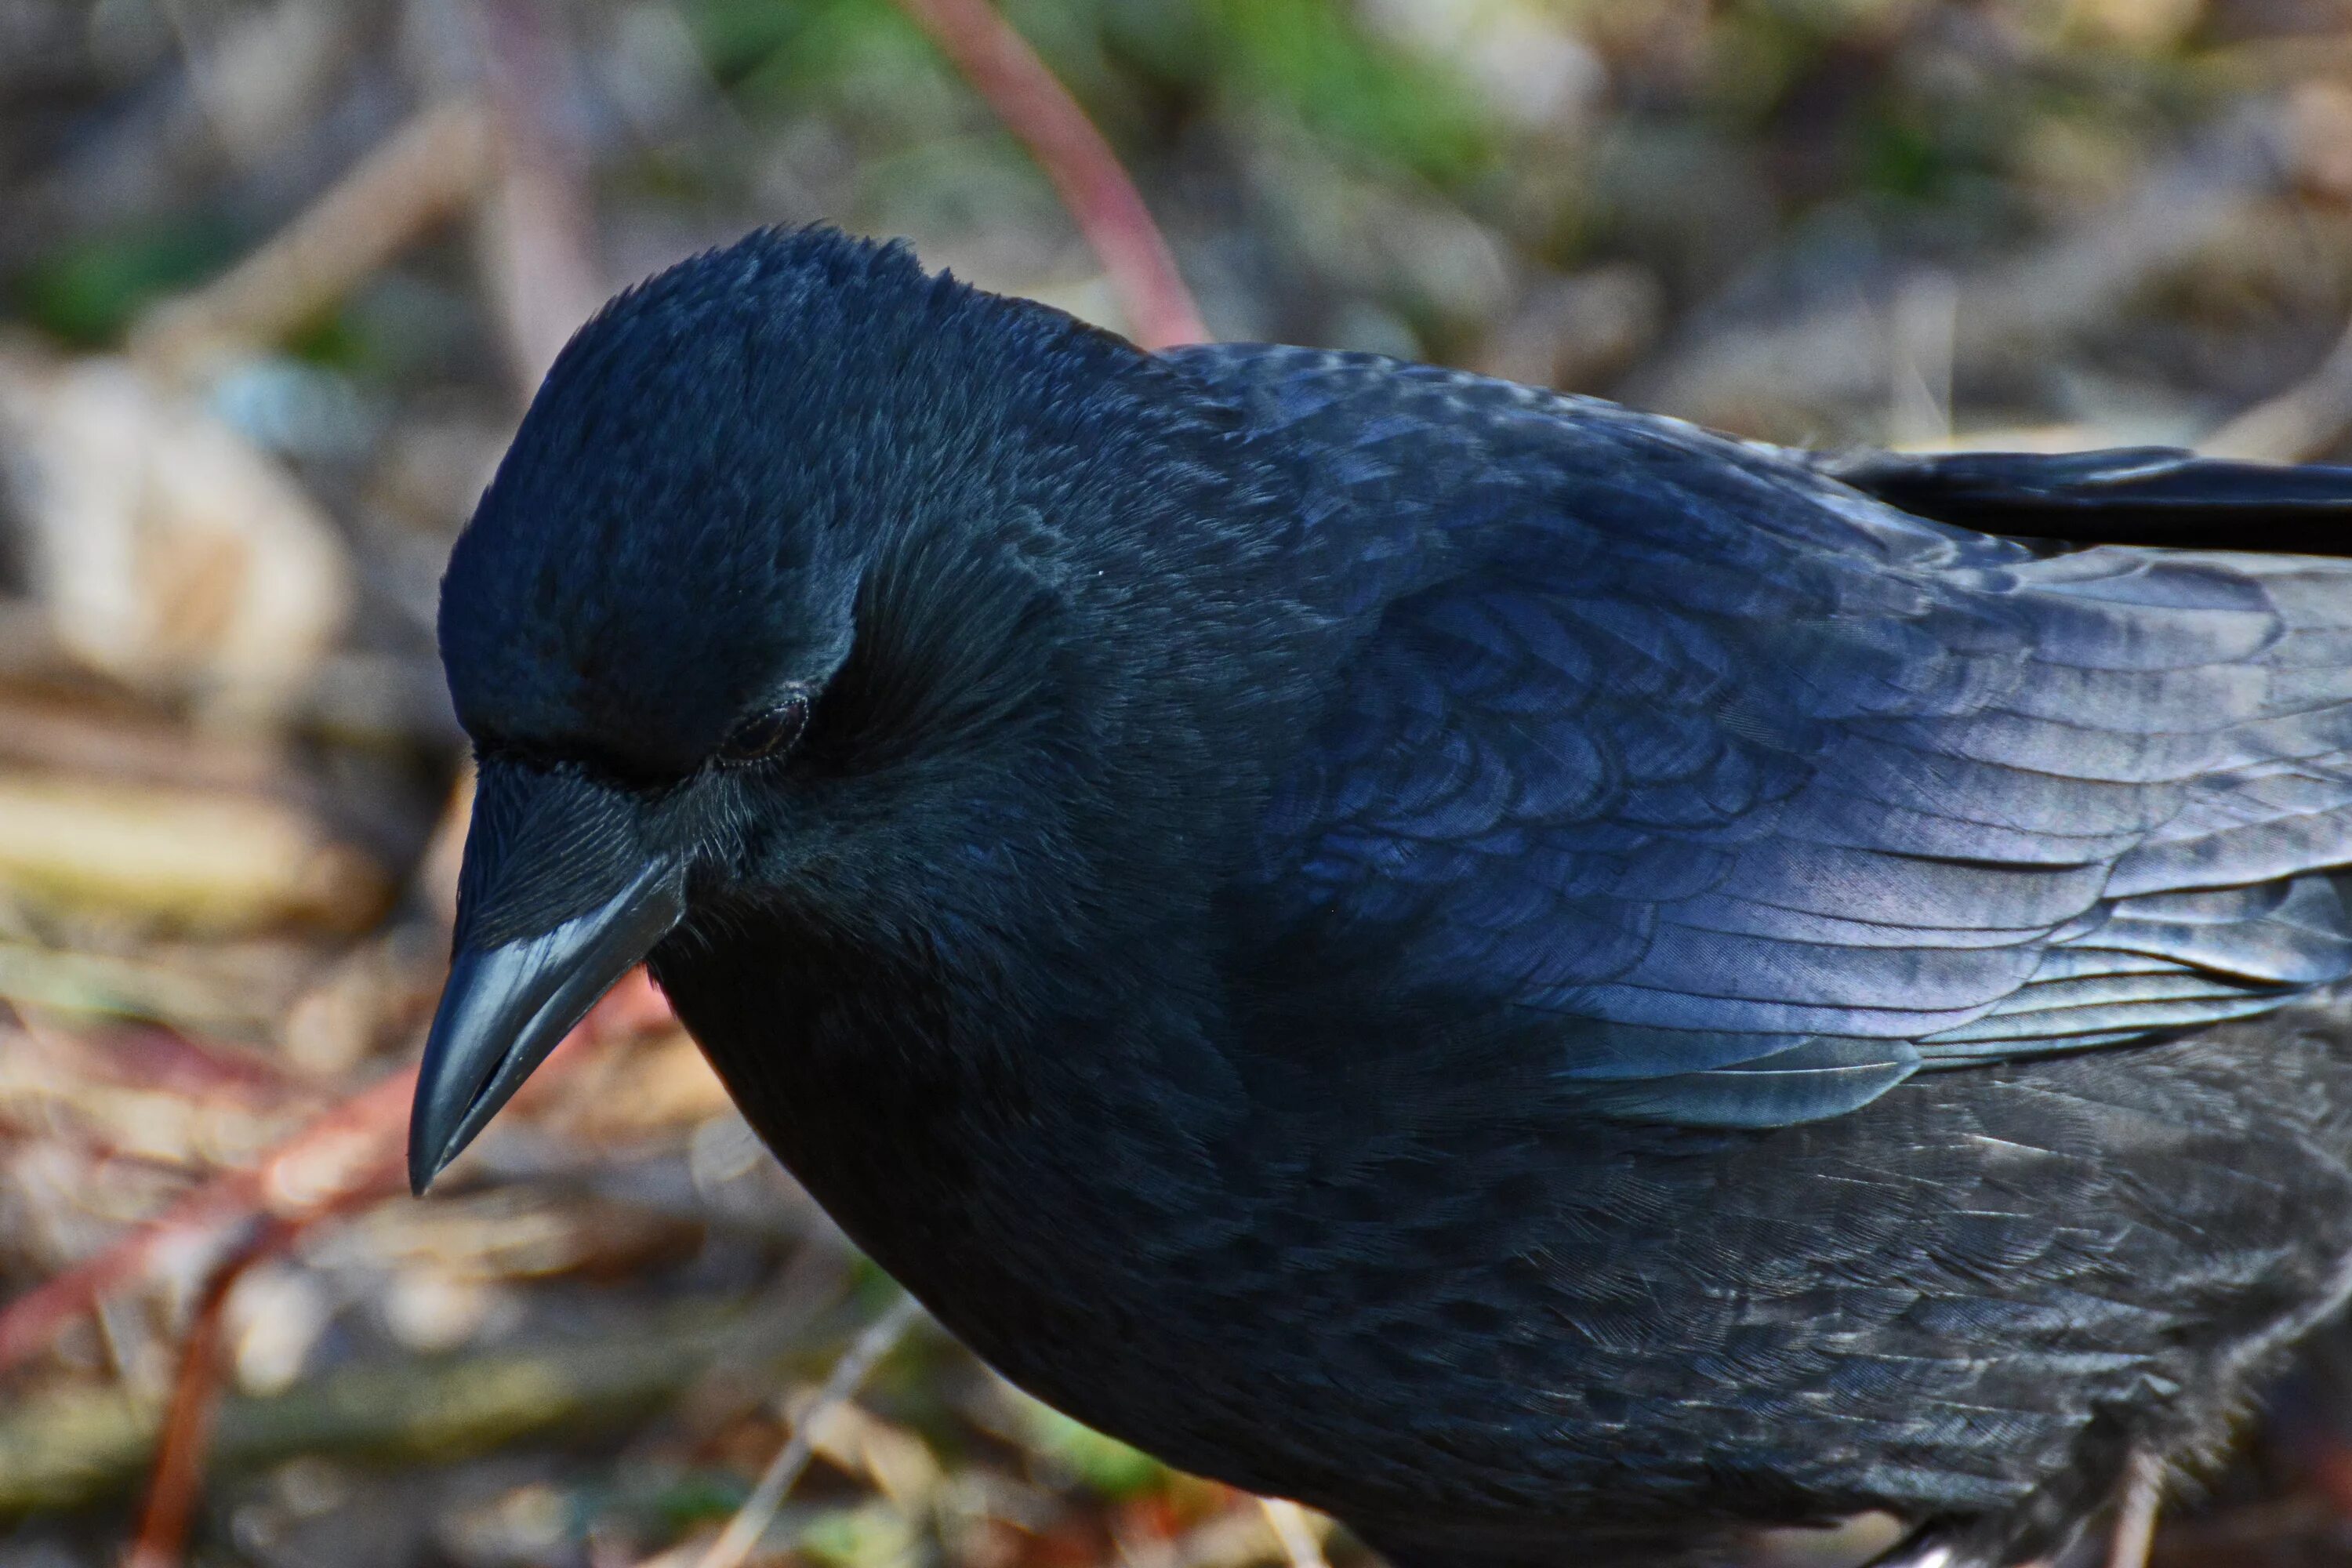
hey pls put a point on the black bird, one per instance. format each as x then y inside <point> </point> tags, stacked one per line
<point>1561,987</point>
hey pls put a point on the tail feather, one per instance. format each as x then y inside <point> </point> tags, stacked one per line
<point>2131,495</point>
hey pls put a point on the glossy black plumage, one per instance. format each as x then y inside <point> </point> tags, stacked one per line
<point>1554,985</point>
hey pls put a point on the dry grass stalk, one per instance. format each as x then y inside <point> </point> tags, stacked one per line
<point>736,1542</point>
<point>427,172</point>
<point>2299,423</point>
<point>1293,1528</point>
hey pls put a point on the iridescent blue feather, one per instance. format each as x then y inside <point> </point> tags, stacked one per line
<point>1766,795</point>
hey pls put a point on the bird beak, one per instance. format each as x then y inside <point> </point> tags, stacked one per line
<point>508,1004</point>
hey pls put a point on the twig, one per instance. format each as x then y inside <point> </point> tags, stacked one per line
<point>311,1170</point>
<point>350,1157</point>
<point>176,1483</point>
<point>1036,107</point>
<point>759,1510</point>
<point>347,1154</point>
<point>538,232</point>
<point>1293,1531</point>
<point>151,1055</point>
<point>73,1445</point>
<point>424,173</point>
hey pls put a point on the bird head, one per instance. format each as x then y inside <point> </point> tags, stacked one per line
<point>781,592</point>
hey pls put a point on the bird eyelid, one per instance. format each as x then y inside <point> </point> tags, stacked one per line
<point>769,732</point>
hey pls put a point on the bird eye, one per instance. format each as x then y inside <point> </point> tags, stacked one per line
<point>767,734</point>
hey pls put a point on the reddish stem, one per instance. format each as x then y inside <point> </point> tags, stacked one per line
<point>542,260</point>
<point>176,1485</point>
<point>1037,109</point>
<point>342,1155</point>
<point>34,1319</point>
<point>345,1160</point>
<point>310,1168</point>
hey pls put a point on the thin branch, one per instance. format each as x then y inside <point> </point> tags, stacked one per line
<point>175,1485</point>
<point>759,1510</point>
<point>538,227</point>
<point>346,1155</point>
<point>312,1169</point>
<point>1036,107</point>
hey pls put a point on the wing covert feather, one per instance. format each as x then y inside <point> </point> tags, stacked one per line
<point>1757,795</point>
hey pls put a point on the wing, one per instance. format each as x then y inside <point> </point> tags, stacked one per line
<point>1763,796</point>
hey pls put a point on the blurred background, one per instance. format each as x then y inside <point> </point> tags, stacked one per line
<point>275,277</point>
